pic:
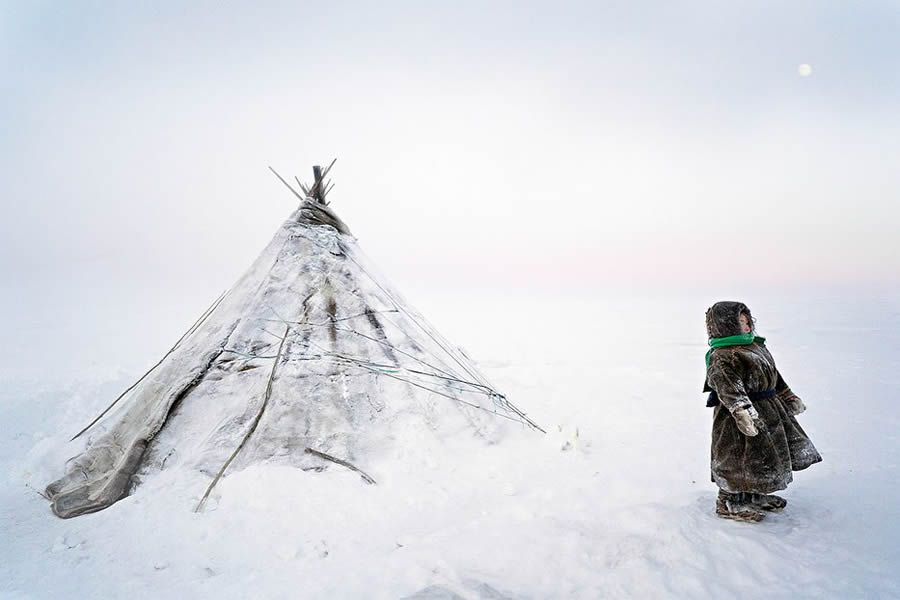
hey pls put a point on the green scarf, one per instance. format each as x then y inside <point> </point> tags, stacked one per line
<point>743,339</point>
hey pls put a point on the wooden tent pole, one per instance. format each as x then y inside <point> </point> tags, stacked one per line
<point>317,186</point>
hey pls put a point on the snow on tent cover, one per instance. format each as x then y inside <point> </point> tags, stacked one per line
<point>311,359</point>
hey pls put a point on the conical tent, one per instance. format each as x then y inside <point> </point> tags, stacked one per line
<point>310,359</point>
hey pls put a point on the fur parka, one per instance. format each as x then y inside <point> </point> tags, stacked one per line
<point>762,463</point>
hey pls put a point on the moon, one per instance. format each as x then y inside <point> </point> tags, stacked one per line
<point>804,70</point>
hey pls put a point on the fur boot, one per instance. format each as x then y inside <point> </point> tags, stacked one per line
<point>737,508</point>
<point>769,502</point>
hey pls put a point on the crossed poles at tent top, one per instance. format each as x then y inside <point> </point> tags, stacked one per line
<point>318,190</point>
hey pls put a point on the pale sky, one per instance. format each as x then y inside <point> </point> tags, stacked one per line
<point>507,145</point>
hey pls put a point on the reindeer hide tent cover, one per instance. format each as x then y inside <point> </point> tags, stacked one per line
<point>310,356</point>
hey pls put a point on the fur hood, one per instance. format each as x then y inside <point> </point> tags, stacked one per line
<point>722,319</point>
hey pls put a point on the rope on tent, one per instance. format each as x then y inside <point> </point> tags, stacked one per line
<point>331,322</point>
<point>377,371</point>
<point>325,323</point>
<point>275,312</point>
<point>394,348</point>
<point>479,389</point>
<point>253,425</point>
<point>432,334</point>
<point>398,308</point>
<point>486,390</point>
<point>376,340</point>
<point>498,398</point>
<point>440,393</point>
<point>480,384</point>
<point>442,343</point>
<point>210,310</point>
<point>264,330</point>
<point>383,369</point>
<point>364,365</point>
<point>448,367</point>
<point>394,369</point>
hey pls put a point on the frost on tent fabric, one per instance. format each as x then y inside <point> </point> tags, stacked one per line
<point>311,359</point>
<point>756,440</point>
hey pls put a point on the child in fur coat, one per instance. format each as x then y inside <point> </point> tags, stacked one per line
<point>756,441</point>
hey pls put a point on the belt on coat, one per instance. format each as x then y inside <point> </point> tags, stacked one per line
<point>713,399</point>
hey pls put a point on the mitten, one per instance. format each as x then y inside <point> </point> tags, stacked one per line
<point>747,420</point>
<point>794,405</point>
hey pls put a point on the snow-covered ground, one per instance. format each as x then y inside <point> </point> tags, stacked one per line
<point>614,502</point>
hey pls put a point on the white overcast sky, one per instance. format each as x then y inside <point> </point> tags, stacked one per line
<point>515,145</point>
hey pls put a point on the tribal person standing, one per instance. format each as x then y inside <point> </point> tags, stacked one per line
<point>756,441</point>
